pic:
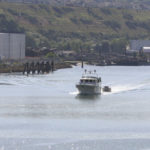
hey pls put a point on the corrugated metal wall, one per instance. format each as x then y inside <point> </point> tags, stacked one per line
<point>12,46</point>
<point>138,44</point>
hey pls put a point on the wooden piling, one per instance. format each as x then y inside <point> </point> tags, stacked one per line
<point>38,67</point>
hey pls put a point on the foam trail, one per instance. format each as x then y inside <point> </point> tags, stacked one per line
<point>123,88</point>
<point>74,93</point>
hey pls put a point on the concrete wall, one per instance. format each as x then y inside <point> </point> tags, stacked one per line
<point>12,46</point>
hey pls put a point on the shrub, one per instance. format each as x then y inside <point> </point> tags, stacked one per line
<point>113,24</point>
<point>31,19</point>
<point>127,16</point>
<point>67,9</point>
<point>30,41</point>
<point>106,11</point>
<point>57,10</point>
<point>74,20</point>
<point>44,7</point>
<point>86,21</point>
<point>90,12</point>
<point>13,12</point>
<point>50,55</point>
<point>131,24</point>
<point>144,25</point>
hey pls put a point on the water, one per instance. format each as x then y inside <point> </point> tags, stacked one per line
<point>45,111</point>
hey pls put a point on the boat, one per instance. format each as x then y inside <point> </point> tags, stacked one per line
<point>89,83</point>
<point>106,89</point>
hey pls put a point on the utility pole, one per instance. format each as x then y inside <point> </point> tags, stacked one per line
<point>82,65</point>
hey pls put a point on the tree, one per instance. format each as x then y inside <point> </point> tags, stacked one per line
<point>98,48</point>
<point>119,45</point>
<point>30,42</point>
<point>105,47</point>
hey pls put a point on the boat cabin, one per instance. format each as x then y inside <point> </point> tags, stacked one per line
<point>90,80</point>
<point>89,83</point>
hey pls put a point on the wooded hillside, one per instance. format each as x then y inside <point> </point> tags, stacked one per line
<point>71,28</point>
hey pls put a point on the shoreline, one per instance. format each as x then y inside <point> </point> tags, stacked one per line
<point>14,68</point>
<point>19,67</point>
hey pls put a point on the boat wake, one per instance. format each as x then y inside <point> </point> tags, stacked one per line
<point>118,89</point>
<point>125,88</point>
<point>74,93</point>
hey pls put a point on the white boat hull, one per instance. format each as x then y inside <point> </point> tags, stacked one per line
<point>88,89</point>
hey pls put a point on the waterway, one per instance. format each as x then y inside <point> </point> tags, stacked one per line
<point>45,112</point>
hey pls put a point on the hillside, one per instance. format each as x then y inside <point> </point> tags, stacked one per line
<point>73,27</point>
<point>135,4</point>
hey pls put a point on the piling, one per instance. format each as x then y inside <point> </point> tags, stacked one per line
<point>38,67</point>
<point>82,64</point>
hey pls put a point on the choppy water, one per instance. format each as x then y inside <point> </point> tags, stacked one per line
<point>45,111</point>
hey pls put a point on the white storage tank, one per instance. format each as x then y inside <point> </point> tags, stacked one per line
<point>12,46</point>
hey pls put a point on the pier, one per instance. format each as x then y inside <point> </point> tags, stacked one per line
<point>38,67</point>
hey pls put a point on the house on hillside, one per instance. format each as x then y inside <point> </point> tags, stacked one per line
<point>138,46</point>
<point>146,51</point>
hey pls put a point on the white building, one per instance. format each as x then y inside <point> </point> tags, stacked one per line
<point>146,50</point>
<point>12,46</point>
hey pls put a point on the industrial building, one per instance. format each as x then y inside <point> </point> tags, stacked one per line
<point>137,45</point>
<point>12,46</point>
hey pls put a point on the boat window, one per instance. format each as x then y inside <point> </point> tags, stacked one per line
<point>87,81</point>
<point>81,81</point>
